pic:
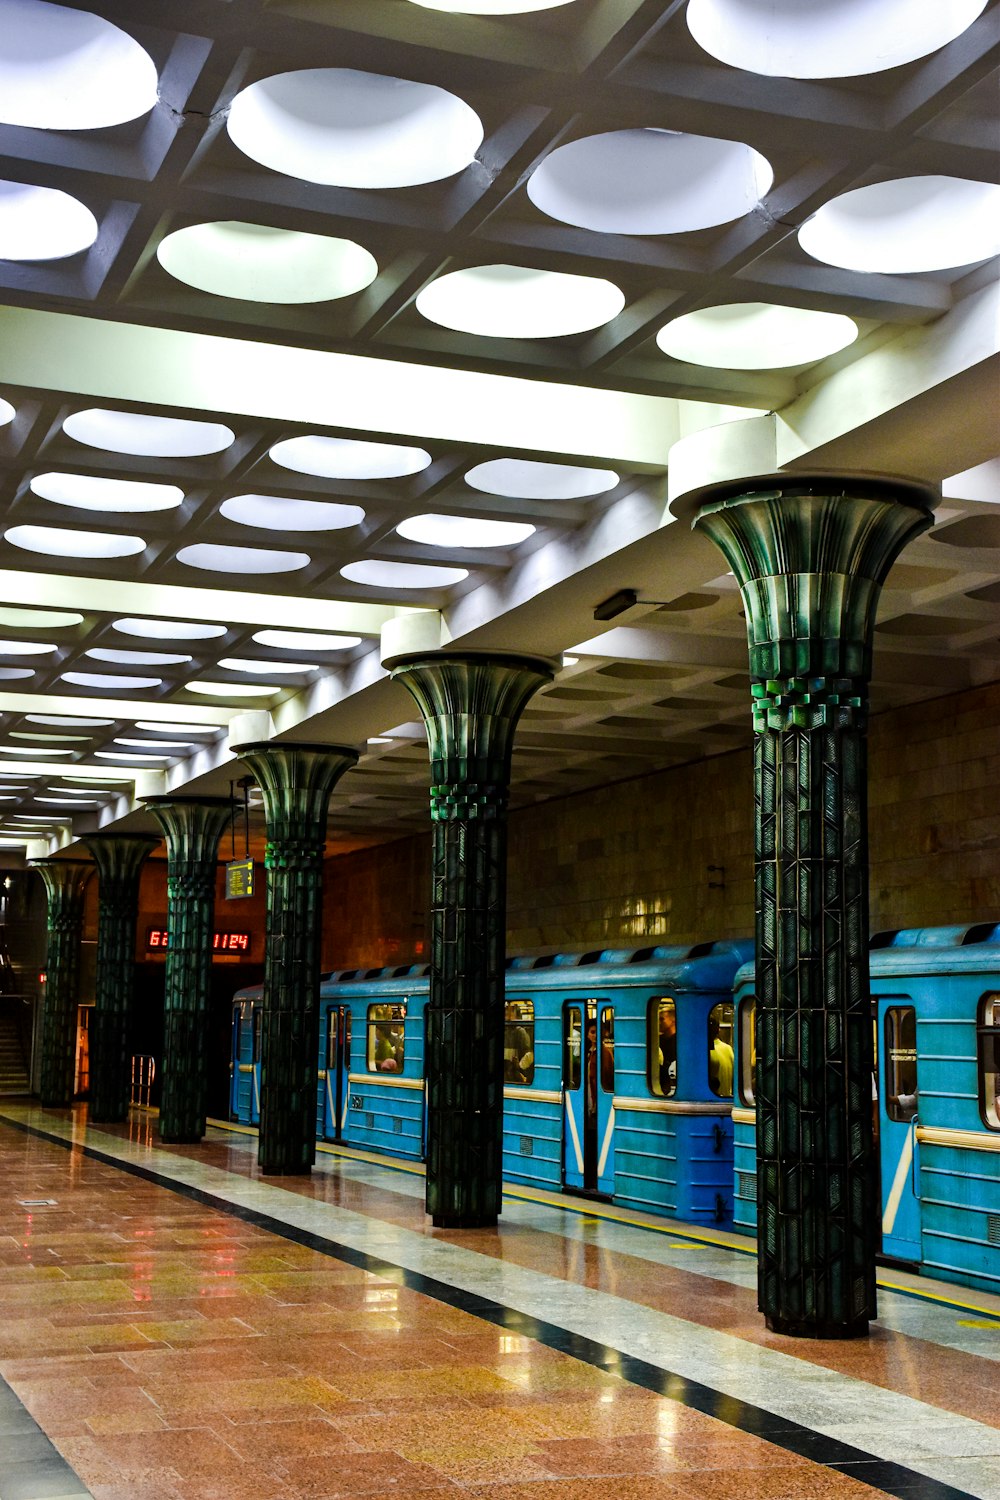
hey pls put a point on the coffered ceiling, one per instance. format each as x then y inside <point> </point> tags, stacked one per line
<point>363,451</point>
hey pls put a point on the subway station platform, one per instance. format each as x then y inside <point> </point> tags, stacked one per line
<point>174,1328</point>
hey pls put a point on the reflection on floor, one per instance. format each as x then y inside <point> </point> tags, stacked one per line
<point>174,1328</point>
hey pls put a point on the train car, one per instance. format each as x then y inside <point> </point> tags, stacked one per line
<point>936,1014</point>
<point>618,1069</point>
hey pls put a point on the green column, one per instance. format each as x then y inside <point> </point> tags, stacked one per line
<point>470,705</point>
<point>119,858</point>
<point>192,827</point>
<point>810,556</point>
<point>295,782</point>
<point>65,883</point>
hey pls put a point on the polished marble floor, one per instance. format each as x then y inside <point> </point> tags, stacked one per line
<point>172,1327</point>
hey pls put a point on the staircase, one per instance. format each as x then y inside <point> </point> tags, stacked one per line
<point>13,1066</point>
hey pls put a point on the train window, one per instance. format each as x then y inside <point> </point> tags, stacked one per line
<point>258,1017</point>
<point>574,1039</point>
<point>988,1030</point>
<point>385,1036</point>
<point>720,1049</point>
<point>608,1051</point>
<point>748,1052</point>
<point>519,1042</point>
<point>331,1040</point>
<point>901,1096</point>
<point>661,1046</point>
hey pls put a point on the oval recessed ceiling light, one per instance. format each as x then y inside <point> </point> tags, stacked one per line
<point>66,69</point>
<point>31,750</point>
<point>129,757</point>
<point>906,225</point>
<point>233,689</point>
<point>26,648</point>
<point>85,492</point>
<point>350,129</point>
<point>175,726</point>
<point>272,513</point>
<point>169,630</point>
<point>210,557</point>
<point>490,8</point>
<point>135,658</point>
<point>54,542</point>
<point>53,739</point>
<point>15,674</point>
<point>105,680</point>
<point>33,619</point>
<point>155,744</point>
<point>527,479</point>
<point>69,721</point>
<point>834,39</point>
<point>40,223</point>
<point>516,302</point>
<point>348,458</point>
<point>257,263</point>
<point>145,436</point>
<point>649,182</point>
<point>463,531</point>
<point>261,668</point>
<point>398,575</point>
<point>305,640</point>
<point>7,412</point>
<point>61,801</point>
<point>755,336</point>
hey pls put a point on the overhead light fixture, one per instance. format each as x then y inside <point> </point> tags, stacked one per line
<point>136,658</point>
<point>347,128</point>
<point>175,726</point>
<point>835,39</point>
<point>154,744</point>
<point>15,674</point>
<point>169,630</point>
<point>398,575</point>
<point>650,182</point>
<point>53,541</point>
<point>105,682</point>
<point>67,69</point>
<point>519,302</point>
<point>529,479</point>
<point>211,557</point>
<point>147,436</point>
<point>7,412</point>
<point>259,263</point>
<point>242,664</point>
<point>305,640</point>
<point>70,721</point>
<point>87,492</point>
<point>274,513</point>
<point>464,531</point>
<point>40,223</point>
<point>907,225</point>
<point>26,648</point>
<point>348,458</point>
<point>234,689</point>
<point>491,7</point>
<point>755,336</point>
<point>38,619</point>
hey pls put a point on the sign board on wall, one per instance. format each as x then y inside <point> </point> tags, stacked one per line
<point>239,879</point>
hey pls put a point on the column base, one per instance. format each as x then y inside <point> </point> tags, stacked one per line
<point>802,1328</point>
<point>284,1171</point>
<point>465,1221</point>
<point>182,1137</point>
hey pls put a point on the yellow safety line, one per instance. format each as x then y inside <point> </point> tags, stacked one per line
<point>636,1220</point>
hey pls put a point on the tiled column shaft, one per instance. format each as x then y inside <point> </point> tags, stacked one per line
<point>471,705</point>
<point>192,827</point>
<point>810,557</point>
<point>119,858</point>
<point>296,782</point>
<point>65,883</point>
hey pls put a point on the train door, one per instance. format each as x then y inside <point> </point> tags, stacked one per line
<point>588,1089</point>
<point>338,1067</point>
<point>898,1105</point>
<point>257,1021</point>
<point>240,1067</point>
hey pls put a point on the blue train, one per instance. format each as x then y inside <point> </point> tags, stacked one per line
<point>620,1071</point>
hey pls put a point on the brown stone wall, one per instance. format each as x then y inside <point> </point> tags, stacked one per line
<point>633,863</point>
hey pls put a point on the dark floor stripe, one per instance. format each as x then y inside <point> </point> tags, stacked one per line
<point>32,1466</point>
<point>892,1478</point>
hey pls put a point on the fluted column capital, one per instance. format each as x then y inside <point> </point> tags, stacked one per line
<point>296,782</point>
<point>65,879</point>
<point>471,703</point>
<point>119,856</point>
<point>192,826</point>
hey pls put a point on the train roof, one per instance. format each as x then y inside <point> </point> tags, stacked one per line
<point>924,950</point>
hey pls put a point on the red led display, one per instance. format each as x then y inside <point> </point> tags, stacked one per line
<point>157,939</point>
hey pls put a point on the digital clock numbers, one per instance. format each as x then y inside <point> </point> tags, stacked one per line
<point>158,938</point>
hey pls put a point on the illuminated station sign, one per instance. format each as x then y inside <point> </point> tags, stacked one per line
<point>158,939</point>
